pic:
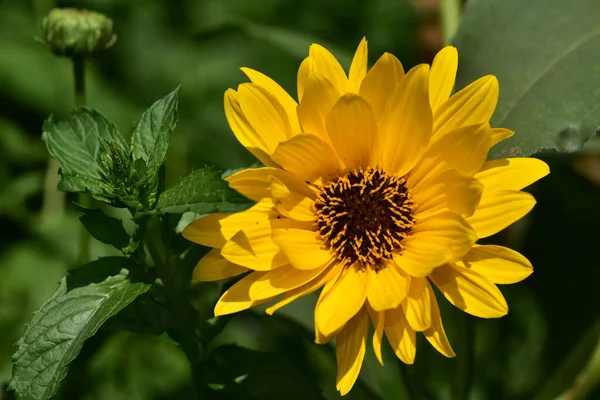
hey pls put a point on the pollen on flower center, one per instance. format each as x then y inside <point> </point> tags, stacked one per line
<point>363,216</point>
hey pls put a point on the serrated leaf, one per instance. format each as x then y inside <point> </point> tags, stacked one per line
<point>203,192</point>
<point>545,56</point>
<point>106,229</point>
<point>152,134</point>
<point>85,299</point>
<point>77,144</point>
<point>83,184</point>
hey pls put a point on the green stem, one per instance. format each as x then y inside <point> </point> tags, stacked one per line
<point>84,200</point>
<point>464,380</point>
<point>53,203</point>
<point>79,79</point>
<point>183,311</point>
<point>450,13</point>
<point>408,380</point>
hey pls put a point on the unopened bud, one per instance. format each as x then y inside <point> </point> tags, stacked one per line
<point>71,32</point>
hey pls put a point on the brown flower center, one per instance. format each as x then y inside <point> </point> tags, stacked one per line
<point>363,216</point>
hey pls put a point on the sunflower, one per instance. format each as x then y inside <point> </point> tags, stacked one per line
<point>375,187</point>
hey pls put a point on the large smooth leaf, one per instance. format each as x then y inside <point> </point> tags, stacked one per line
<point>106,229</point>
<point>202,191</point>
<point>152,134</point>
<point>545,55</point>
<point>83,302</point>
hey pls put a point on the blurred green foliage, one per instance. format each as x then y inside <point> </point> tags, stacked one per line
<point>200,45</point>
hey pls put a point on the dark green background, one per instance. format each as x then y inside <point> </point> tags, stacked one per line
<point>201,45</point>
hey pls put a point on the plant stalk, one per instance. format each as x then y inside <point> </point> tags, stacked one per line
<point>84,200</point>
<point>464,379</point>
<point>408,380</point>
<point>183,311</point>
<point>450,15</point>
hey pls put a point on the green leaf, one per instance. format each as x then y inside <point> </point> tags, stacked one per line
<point>78,144</point>
<point>545,56</point>
<point>85,299</point>
<point>83,184</point>
<point>203,192</point>
<point>152,135</point>
<point>106,229</point>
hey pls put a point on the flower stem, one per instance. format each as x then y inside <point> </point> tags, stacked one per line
<point>464,375</point>
<point>79,79</point>
<point>84,200</point>
<point>183,311</point>
<point>450,13</point>
<point>408,381</point>
<point>53,203</point>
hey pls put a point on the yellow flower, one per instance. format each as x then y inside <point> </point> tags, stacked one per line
<point>375,185</point>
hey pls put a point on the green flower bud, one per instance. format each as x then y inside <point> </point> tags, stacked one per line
<point>71,32</point>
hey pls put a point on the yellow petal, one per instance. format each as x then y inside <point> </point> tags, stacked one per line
<point>388,287</point>
<point>214,230</point>
<point>470,291</point>
<point>358,68</point>
<point>405,126</point>
<point>327,275</point>
<point>499,209</point>
<point>286,101</point>
<point>213,267</point>
<point>304,71</point>
<point>265,114</point>
<point>473,105</point>
<point>442,76</point>
<point>318,98</point>
<point>350,351</point>
<point>464,150</point>
<point>325,64</point>
<point>512,173</point>
<point>291,203</point>
<point>253,246</point>
<point>499,134</point>
<point>401,337</point>
<point>237,298</point>
<point>341,302</point>
<point>255,183</point>
<point>320,337</point>
<point>436,334</point>
<point>378,319</point>
<point>243,131</point>
<point>302,248</point>
<point>450,226</point>
<point>381,83</point>
<point>308,157</point>
<point>417,306</point>
<point>280,280</point>
<point>464,195</point>
<point>421,253</point>
<point>352,128</point>
<point>498,264</point>
<point>435,239</point>
<point>450,189</point>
